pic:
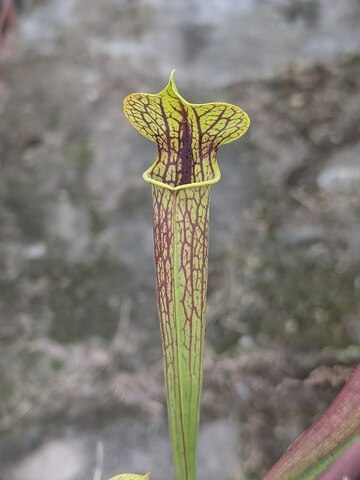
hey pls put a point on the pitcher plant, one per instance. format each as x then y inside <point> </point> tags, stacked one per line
<point>187,137</point>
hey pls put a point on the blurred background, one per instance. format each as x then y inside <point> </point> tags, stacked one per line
<point>81,386</point>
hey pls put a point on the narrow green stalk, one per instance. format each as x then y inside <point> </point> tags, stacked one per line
<point>188,137</point>
<point>181,251</point>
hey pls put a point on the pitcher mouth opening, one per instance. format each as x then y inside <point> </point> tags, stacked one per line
<point>149,179</point>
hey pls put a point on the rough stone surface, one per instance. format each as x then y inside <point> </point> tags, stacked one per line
<point>342,173</point>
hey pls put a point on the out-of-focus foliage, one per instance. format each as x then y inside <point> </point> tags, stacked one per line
<point>328,440</point>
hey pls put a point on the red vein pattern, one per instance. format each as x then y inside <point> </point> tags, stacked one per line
<point>181,246</point>
<point>187,135</point>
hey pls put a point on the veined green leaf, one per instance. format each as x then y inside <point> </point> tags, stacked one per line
<point>332,441</point>
<point>131,476</point>
<point>188,137</point>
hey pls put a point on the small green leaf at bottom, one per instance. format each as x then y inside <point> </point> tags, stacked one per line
<point>131,476</point>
